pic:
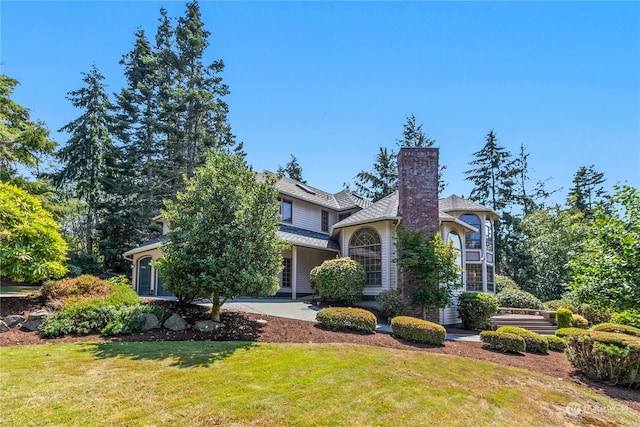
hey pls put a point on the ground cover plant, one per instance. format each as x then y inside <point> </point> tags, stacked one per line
<point>257,384</point>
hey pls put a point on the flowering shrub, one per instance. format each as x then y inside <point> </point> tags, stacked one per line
<point>475,309</point>
<point>535,343</point>
<point>340,278</point>
<point>356,319</point>
<point>516,298</point>
<point>503,341</point>
<point>418,330</point>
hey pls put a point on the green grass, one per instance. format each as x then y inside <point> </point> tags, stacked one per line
<point>234,383</point>
<point>19,289</point>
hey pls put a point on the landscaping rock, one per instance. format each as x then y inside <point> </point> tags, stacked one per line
<point>32,325</point>
<point>150,321</point>
<point>208,325</point>
<point>261,322</point>
<point>13,320</point>
<point>3,326</point>
<point>175,323</point>
<point>38,315</point>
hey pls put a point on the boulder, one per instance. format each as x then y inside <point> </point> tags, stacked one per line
<point>149,321</point>
<point>13,320</point>
<point>31,325</point>
<point>3,327</point>
<point>175,323</point>
<point>38,315</point>
<point>207,325</point>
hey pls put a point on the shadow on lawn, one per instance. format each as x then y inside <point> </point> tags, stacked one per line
<point>179,353</point>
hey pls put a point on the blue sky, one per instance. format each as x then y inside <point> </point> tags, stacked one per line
<point>333,81</point>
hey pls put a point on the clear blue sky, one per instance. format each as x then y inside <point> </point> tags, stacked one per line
<point>333,81</point>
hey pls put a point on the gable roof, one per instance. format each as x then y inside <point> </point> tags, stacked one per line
<point>341,201</point>
<point>458,204</point>
<point>387,209</point>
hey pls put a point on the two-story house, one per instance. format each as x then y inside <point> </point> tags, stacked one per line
<point>321,225</point>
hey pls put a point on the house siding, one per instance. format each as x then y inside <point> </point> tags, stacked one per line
<point>309,216</point>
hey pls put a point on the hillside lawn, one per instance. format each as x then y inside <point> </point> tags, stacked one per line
<point>242,383</point>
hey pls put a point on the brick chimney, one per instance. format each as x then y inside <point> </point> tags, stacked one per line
<point>418,205</point>
<point>418,188</point>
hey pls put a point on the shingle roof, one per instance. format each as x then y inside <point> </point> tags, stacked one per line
<point>385,208</point>
<point>458,204</point>
<point>148,245</point>
<point>311,239</point>
<point>340,201</point>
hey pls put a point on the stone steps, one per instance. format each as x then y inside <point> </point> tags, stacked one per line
<point>533,323</point>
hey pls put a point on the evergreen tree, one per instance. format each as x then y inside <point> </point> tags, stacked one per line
<point>530,199</point>
<point>382,181</point>
<point>492,176</point>
<point>292,170</point>
<point>89,154</point>
<point>23,142</point>
<point>586,190</point>
<point>414,136</point>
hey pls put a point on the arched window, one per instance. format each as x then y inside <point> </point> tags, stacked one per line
<point>473,241</point>
<point>365,248</point>
<point>144,276</point>
<point>457,246</point>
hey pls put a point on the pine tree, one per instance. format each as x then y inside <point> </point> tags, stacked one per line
<point>493,175</point>
<point>382,181</point>
<point>89,155</point>
<point>586,190</point>
<point>292,170</point>
<point>530,200</point>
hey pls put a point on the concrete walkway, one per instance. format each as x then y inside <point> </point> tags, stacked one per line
<point>304,310</point>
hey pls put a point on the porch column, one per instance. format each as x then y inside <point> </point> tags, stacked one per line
<point>294,271</point>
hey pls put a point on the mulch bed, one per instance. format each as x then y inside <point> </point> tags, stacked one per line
<point>245,327</point>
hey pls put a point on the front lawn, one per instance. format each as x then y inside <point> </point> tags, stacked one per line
<point>236,383</point>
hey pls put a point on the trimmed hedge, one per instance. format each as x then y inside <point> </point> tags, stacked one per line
<point>340,278</point>
<point>563,318</point>
<point>578,321</point>
<point>616,328</point>
<point>535,342</point>
<point>516,298</point>
<point>629,317</point>
<point>606,356</point>
<point>392,303</point>
<point>356,319</point>
<point>476,309</point>
<point>555,343</point>
<point>503,341</point>
<point>418,330</point>
<point>566,332</point>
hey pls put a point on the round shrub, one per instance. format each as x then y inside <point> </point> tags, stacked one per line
<point>563,318</point>
<point>392,303</point>
<point>535,343</point>
<point>356,319</point>
<point>82,286</point>
<point>555,343</point>
<point>516,298</point>
<point>593,314</point>
<point>475,309</point>
<point>578,321</point>
<point>629,317</point>
<point>503,341</point>
<point>616,328</point>
<point>340,278</point>
<point>504,283</point>
<point>606,356</point>
<point>418,330</point>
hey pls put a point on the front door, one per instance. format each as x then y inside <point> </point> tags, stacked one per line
<point>144,276</point>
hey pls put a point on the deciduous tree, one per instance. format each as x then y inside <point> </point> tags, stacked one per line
<point>224,241</point>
